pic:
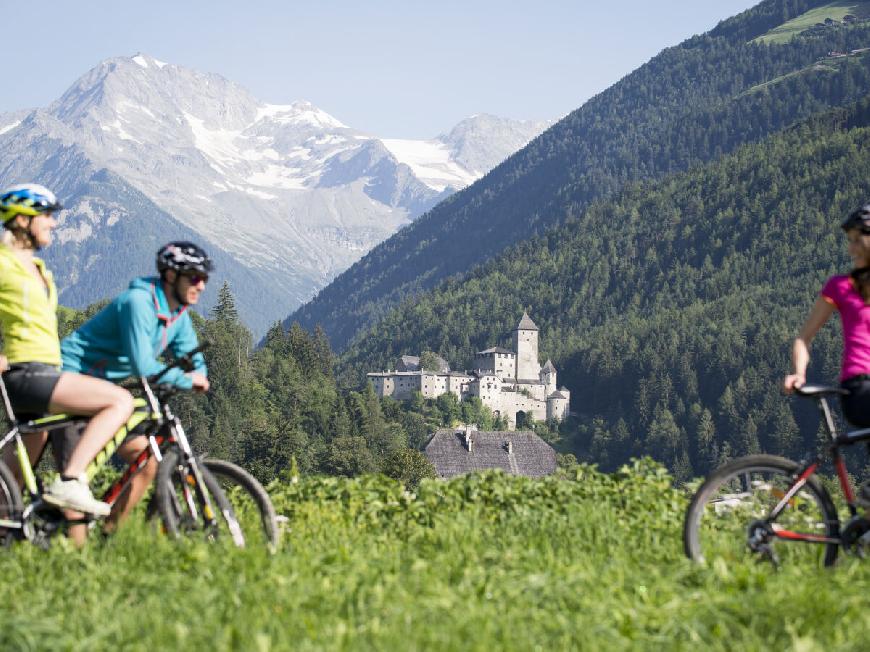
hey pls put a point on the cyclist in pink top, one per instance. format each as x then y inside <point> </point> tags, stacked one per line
<point>848,294</point>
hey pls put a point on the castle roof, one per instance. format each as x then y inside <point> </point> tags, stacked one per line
<point>549,367</point>
<point>409,363</point>
<point>412,363</point>
<point>496,349</point>
<point>527,454</point>
<point>526,323</point>
<point>557,395</point>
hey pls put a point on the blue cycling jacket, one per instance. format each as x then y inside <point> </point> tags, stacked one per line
<point>125,338</point>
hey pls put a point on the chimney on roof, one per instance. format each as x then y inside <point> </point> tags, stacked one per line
<point>468,430</point>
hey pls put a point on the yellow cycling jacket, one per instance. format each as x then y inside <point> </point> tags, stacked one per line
<point>28,313</point>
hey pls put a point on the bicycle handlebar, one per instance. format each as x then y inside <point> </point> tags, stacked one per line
<point>184,362</point>
<point>813,391</point>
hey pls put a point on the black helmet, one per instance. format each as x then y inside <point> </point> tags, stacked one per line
<point>183,256</point>
<point>858,219</point>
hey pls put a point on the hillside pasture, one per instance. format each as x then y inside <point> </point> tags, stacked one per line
<point>833,10</point>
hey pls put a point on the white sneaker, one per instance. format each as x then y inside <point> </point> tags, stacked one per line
<point>75,494</point>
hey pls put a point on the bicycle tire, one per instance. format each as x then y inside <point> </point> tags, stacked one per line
<point>736,497</point>
<point>11,505</point>
<point>246,516</point>
<point>248,500</point>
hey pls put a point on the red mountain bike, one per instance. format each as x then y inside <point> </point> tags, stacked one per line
<point>192,494</point>
<point>773,508</point>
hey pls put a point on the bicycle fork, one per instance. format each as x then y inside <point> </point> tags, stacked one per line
<point>193,479</point>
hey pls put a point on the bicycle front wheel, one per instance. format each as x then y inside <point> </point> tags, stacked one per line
<point>11,507</point>
<point>730,515</point>
<point>245,515</point>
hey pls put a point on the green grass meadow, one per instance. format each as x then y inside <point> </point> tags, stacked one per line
<point>483,562</point>
<point>833,10</point>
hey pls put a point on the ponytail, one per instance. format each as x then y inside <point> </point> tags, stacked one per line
<point>861,277</point>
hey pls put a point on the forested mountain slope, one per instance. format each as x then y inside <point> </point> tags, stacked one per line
<point>669,309</point>
<point>690,104</point>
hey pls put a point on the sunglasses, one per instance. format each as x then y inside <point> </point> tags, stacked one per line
<point>196,278</point>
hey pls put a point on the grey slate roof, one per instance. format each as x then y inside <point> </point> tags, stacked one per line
<point>412,363</point>
<point>557,395</point>
<point>409,363</point>
<point>496,349</point>
<point>530,455</point>
<point>549,366</point>
<point>526,323</point>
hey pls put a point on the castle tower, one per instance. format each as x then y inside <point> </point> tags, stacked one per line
<point>526,346</point>
<point>548,377</point>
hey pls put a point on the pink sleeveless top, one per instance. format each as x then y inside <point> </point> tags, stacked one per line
<point>840,291</point>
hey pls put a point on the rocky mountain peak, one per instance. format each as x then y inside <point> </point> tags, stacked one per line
<point>287,190</point>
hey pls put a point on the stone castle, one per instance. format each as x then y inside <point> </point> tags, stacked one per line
<point>510,383</point>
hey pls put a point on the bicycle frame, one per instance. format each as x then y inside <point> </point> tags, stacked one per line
<point>166,429</point>
<point>57,421</point>
<point>836,442</point>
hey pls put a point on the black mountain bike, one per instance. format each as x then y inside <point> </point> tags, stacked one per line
<point>772,508</point>
<point>192,494</point>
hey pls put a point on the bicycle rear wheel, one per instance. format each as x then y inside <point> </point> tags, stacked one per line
<point>245,515</point>
<point>728,517</point>
<point>11,507</point>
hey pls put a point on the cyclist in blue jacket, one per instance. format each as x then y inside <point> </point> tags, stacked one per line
<point>126,338</point>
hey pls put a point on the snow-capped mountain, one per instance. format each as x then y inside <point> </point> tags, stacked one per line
<point>290,194</point>
<point>8,121</point>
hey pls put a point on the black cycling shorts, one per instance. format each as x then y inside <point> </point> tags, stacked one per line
<point>30,386</point>
<point>856,406</point>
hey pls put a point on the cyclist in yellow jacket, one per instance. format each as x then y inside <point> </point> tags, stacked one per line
<point>28,322</point>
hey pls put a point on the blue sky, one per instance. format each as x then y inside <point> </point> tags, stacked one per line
<point>394,69</point>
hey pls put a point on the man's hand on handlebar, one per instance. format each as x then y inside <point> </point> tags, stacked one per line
<point>200,382</point>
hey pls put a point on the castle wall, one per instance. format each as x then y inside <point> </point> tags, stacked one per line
<point>499,364</point>
<point>400,385</point>
<point>484,363</point>
<point>458,384</point>
<point>512,402</point>
<point>537,390</point>
<point>488,389</point>
<point>505,365</point>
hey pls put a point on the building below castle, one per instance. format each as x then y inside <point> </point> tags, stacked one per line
<point>454,452</point>
<point>511,383</point>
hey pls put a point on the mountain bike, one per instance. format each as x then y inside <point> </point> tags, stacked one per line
<point>192,494</point>
<point>773,508</point>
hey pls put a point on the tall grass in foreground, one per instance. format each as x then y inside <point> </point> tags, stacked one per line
<point>485,562</point>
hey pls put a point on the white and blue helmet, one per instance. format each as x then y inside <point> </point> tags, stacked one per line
<point>27,199</point>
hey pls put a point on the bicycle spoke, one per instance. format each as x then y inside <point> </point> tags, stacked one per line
<point>731,516</point>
